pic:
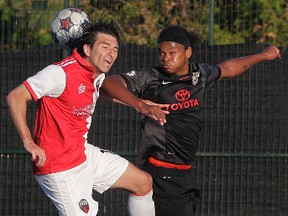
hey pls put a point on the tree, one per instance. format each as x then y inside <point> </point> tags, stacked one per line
<point>140,21</point>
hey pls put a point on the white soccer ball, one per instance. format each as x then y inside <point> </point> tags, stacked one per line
<point>67,26</point>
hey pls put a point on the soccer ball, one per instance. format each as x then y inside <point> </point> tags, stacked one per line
<point>67,26</point>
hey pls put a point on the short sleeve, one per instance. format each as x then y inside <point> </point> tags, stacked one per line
<point>137,80</point>
<point>50,81</point>
<point>212,73</point>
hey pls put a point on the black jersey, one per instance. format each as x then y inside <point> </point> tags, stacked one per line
<point>176,141</point>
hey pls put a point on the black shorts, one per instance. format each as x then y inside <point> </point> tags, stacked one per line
<point>175,192</point>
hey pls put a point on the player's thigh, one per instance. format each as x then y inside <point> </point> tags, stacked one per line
<point>171,206</point>
<point>107,167</point>
<point>134,180</point>
<point>113,171</point>
<point>70,191</point>
<point>175,194</point>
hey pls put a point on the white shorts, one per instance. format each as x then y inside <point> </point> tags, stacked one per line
<point>71,190</point>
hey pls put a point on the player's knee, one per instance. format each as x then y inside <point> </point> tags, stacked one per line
<point>149,183</point>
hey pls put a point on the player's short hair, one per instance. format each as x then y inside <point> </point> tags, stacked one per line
<point>91,31</point>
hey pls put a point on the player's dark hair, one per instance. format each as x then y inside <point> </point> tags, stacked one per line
<point>180,35</point>
<point>91,31</point>
<point>194,38</point>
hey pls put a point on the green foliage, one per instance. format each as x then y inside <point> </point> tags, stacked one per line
<point>226,37</point>
<point>25,27</point>
<point>140,21</point>
<point>273,23</point>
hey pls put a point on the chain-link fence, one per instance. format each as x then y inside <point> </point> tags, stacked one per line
<point>242,161</point>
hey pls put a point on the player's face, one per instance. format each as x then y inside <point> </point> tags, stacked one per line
<point>102,54</point>
<point>174,58</point>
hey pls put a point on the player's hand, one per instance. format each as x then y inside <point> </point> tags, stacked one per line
<point>155,111</point>
<point>37,153</point>
<point>271,52</point>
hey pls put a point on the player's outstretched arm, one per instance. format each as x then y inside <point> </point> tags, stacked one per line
<point>236,66</point>
<point>17,101</point>
<point>115,88</point>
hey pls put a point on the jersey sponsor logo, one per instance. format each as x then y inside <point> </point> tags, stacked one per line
<point>83,112</point>
<point>184,101</point>
<point>184,105</point>
<point>182,95</point>
<point>81,88</point>
<point>165,82</point>
<point>195,77</point>
<point>84,205</point>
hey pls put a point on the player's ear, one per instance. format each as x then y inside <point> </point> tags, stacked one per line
<point>188,52</point>
<point>86,49</point>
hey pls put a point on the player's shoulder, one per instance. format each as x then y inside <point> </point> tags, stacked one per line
<point>50,71</point>
<point>65,62</point>
<point>209,73</point>
<point>204,67</point>
<point>141,72</point>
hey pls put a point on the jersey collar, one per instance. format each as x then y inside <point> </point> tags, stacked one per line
<point>172,77</point>
<point>82,62</point>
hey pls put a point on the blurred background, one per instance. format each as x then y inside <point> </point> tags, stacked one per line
<point>243,153</point>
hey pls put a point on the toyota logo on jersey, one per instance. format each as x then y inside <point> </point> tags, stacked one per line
<point>184,101</point>
<point>182,95</point>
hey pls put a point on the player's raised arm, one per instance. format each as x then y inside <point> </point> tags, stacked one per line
<point>236,66</point>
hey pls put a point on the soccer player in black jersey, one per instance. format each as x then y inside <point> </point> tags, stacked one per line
<point>168,149</point>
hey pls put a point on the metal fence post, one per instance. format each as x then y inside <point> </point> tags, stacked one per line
<point>66,52</point>
<point>211,22</point>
